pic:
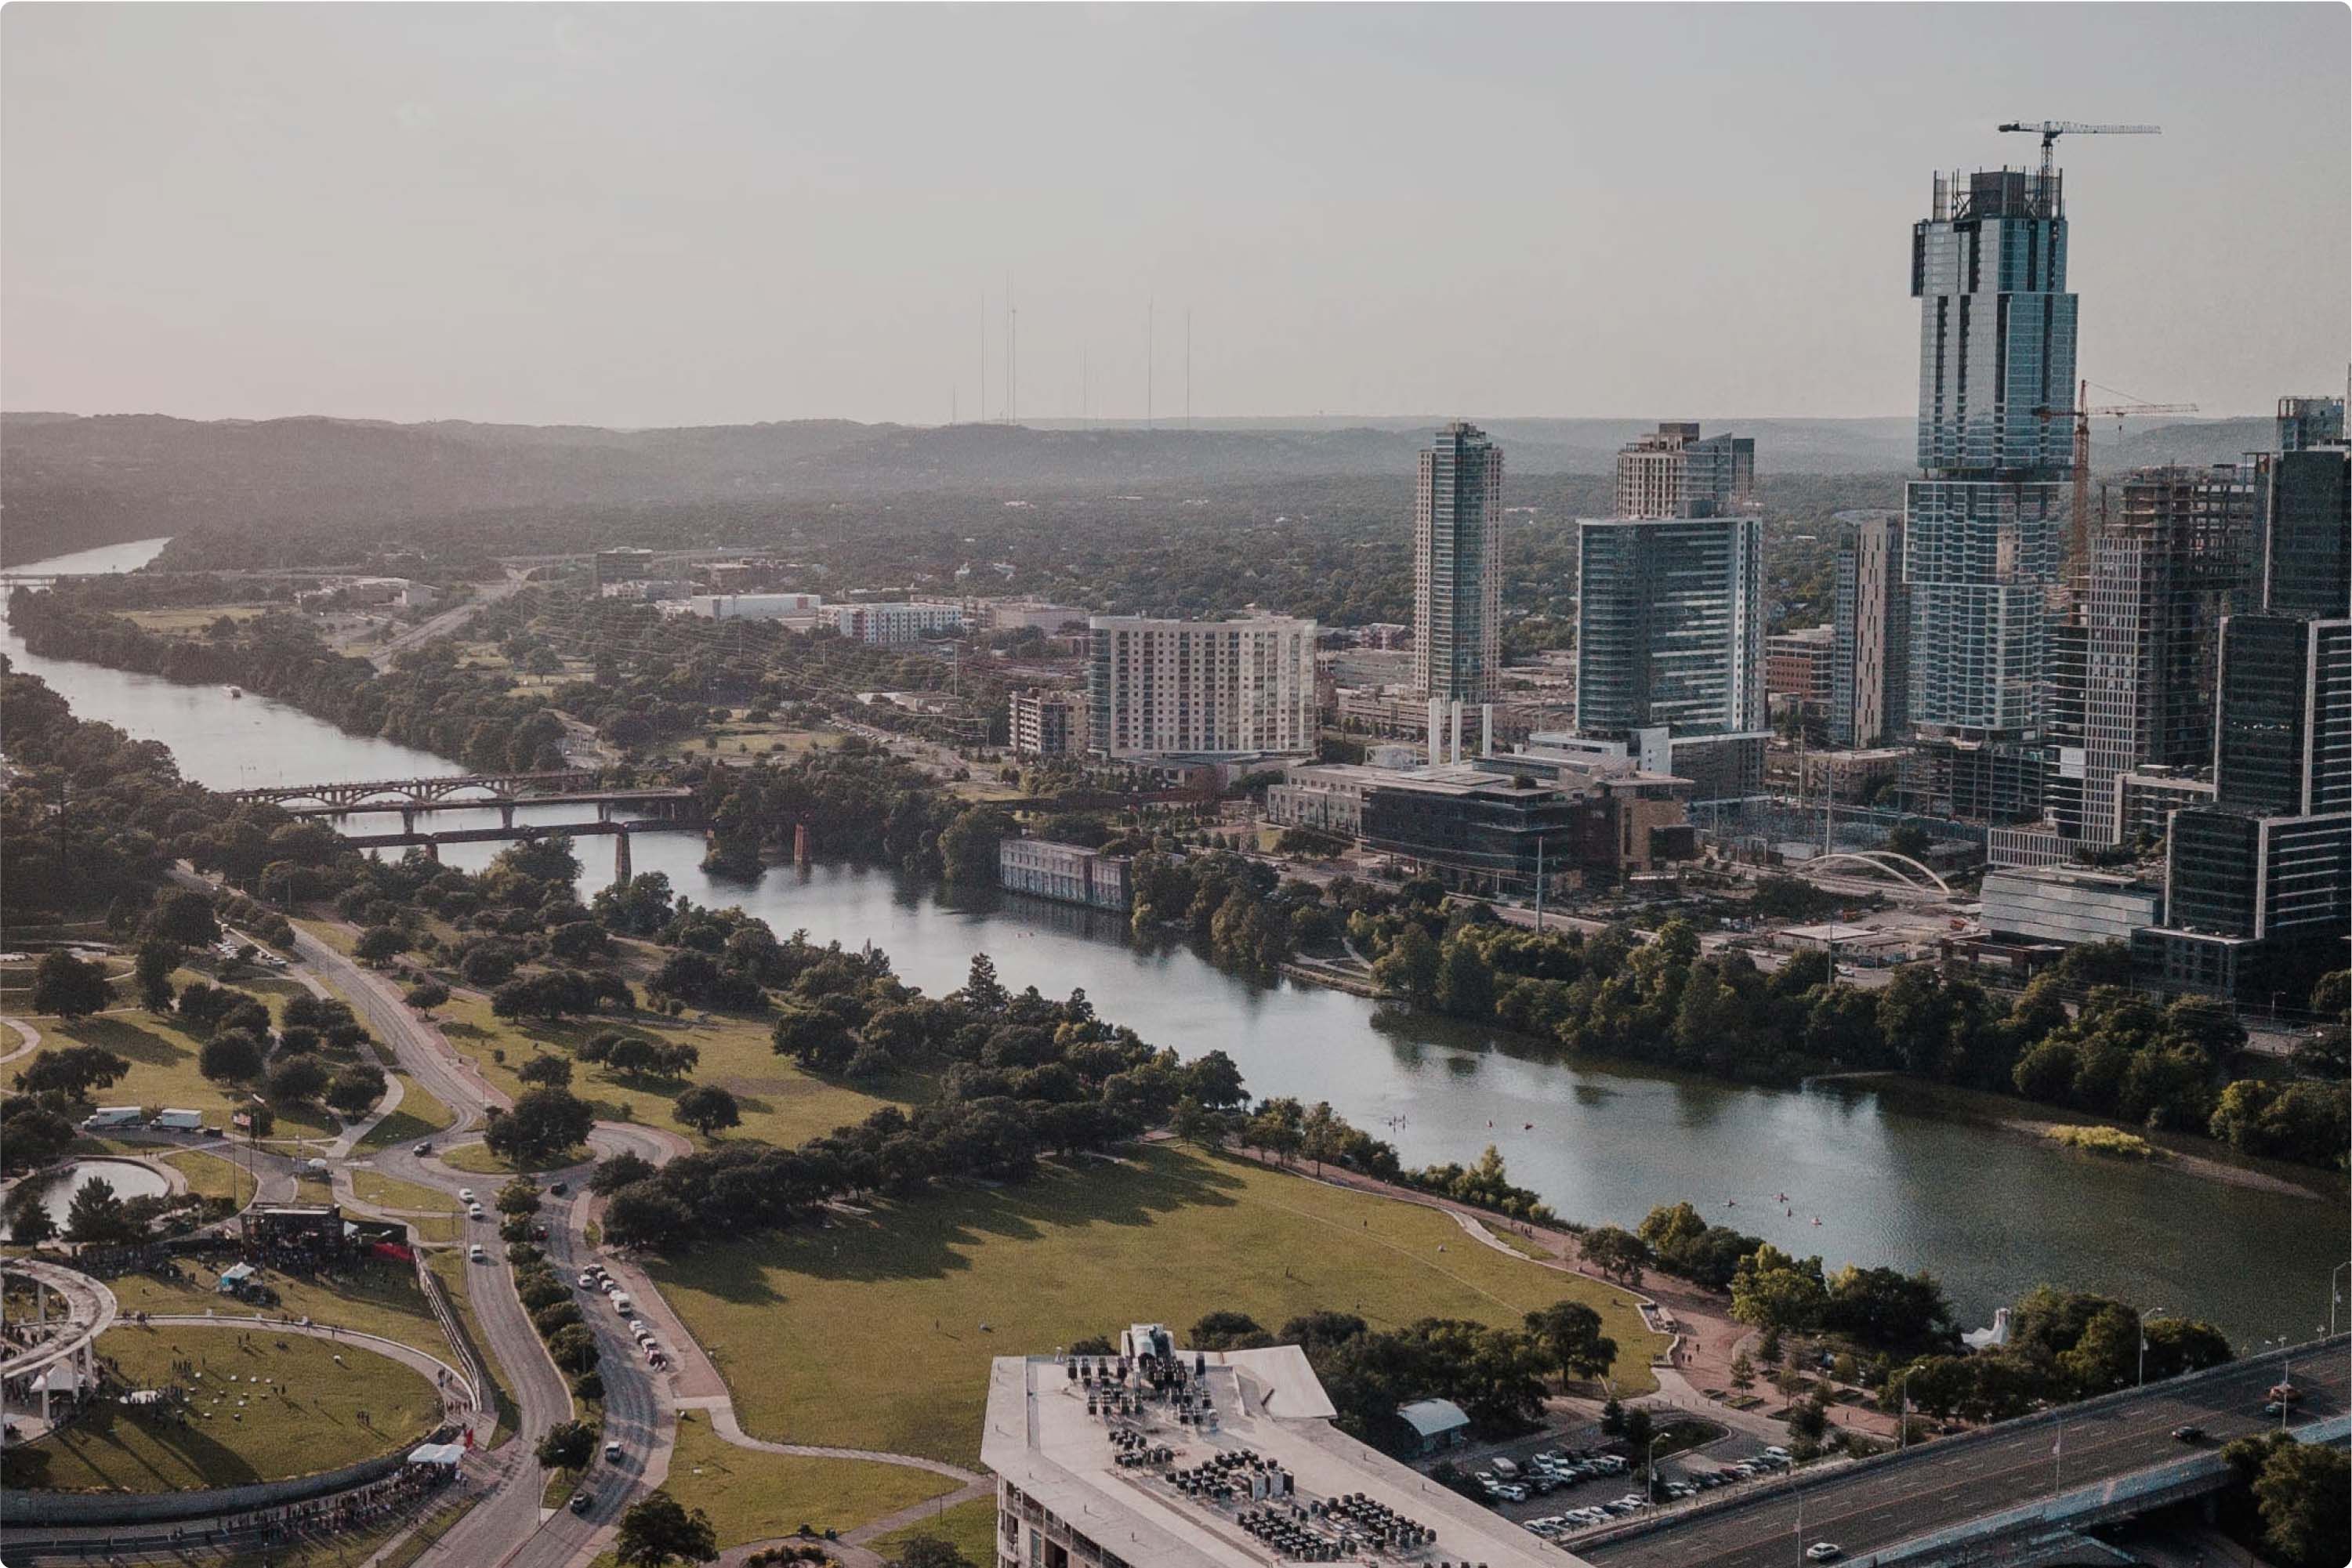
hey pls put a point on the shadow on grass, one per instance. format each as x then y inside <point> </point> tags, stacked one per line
<point>131,1042</point>
<point>927,1236</point>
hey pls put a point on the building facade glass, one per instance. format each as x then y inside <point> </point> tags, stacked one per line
<point>1458,529</point>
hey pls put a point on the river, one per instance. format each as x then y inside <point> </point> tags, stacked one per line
<point>1889,1181</point>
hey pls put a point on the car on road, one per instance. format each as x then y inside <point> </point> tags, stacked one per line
<point>474,1212</point>
<point>2189,1433</point>
<point>557,1189</point>
<point>475,1254</point>
<point>465,1195</point>
<point>1824,1552</point>
<point>582,1502</point>
<point>613,1452</point>
<point>421,1150</point>
<point>587,1282</point>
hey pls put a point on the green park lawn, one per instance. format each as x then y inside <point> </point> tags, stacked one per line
<point>382,1299</point>
<point>752,1495</point>
<point>437,1220</point>
<point>878,1333</point>
<point>969,1527</point>
<point>475,1157</point>
<point>163,1058</point>
<point>781,1103</point>
<point>313,1414</point>
<point>211,1176</point>
<point>420,1115</point>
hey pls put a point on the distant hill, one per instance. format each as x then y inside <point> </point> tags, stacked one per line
<point>70,482</point>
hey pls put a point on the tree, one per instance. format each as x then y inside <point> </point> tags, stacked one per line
<point>517,1197</point>
<point>378,943</point>
<point>568,1446</point>
<point>2302,1490</point>
<point>661,1530</point>
<point>929,1551</point>
<point>71,1070</point>
<point>69,987</point>
<point>616,1170</point>
<point>545,1122</point>
<point>1640,1428</point>
<point>1410,966</point>
<point>97,1215</point>
<point>183,916</point>
<point>572,1348</point>
<point>426,995</point>
<point>1568,1334</point>
<point>983,991</point>
<point>555,1071</point>
<point>642,1215</point>
<point>705,1108</point>
<point>29,1220</point>
<point>1226,1331</point>
<point>353,1092</point>
<point>298,1079</point>
<point>1615,1252</point>
<point>1743,1372</point>
<point>1213,1080</point>
<point>154,964</point>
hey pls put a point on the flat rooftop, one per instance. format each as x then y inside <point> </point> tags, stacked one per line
<point>1264,1409</point>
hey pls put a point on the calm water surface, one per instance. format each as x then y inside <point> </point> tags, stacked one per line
<point>1992,1214</point>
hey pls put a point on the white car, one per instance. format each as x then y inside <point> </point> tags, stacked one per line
<point>465,1195</point>
<point>1824,1552</point>
<point>475,1253</point>
<point>475,1213</point>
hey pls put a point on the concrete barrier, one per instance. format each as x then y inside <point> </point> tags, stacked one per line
<point>55,1508</point>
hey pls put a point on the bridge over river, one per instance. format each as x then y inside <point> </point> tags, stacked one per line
<point>2011,1493</point>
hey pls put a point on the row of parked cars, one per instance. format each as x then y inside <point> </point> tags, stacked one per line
<point>596,1276</point>
<point>1553,1469</point>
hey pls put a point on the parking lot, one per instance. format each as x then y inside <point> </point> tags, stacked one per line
<point>1569,1493</point>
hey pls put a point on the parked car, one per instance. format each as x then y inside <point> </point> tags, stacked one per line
<point>465,1195</point>
<point>582,1502</point>
<point>557,1189</point>
<point>475,1254</point>
<point>422,1149</point>
<point>1824,1552</point>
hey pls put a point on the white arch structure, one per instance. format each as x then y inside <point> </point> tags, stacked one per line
<point>1885,860</point>
<point>91,1310</point>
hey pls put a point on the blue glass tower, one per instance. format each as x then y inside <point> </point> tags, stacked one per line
<point>1981,527</point>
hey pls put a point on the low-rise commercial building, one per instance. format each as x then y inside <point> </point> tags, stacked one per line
<point>1023,615</point>
<point>896,623</point>
<point>1070,872</point>
<point>1482,830</point>
<point>807,608</point>
<point>2068,905</point>
<point>1164,1458</point>
<point>1326,795</point>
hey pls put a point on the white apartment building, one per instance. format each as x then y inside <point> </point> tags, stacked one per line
<point>893,624</point>
<point>1158,688</point>
<point>799,607</point>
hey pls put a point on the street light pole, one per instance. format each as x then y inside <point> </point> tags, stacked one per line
<point>1650,1469</point>
<point>2151,1312</point>
<point>2334,1294</point>
<point>1903,1410</point>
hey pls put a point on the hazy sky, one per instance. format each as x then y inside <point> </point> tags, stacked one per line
<point>676,214</point>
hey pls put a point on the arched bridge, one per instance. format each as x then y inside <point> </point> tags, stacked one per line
<point>1900,867</point>
<point>486,788</point>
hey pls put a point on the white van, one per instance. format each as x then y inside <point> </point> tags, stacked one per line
<point>1505,1468</point>
<point>622,1305</point>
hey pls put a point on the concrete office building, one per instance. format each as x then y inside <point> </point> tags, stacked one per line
<point>1457,570</point>
<point>2168,561</point>
<point>2068,905</point>
<point>1201,688</point>
<point>1670,636</point>
<point>622,565</point>
<point>1981,541</point>
<point>1676,474</point>
<point>1870,652</point>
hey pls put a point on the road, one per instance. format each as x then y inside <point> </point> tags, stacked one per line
<point>507,1528</point>
<point>1948,1484</point>
<point>441,626</point>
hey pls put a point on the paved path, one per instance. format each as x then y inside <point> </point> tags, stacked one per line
<point>29,1039</point>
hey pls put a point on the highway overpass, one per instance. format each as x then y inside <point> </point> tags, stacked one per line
<point>1947,1501</point>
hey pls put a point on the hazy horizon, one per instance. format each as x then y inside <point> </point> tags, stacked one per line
<point>647,217</point>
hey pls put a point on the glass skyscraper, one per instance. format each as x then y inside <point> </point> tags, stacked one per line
<point>1981,535</point>
<point>1670,626</point>
<point>1457,570</point>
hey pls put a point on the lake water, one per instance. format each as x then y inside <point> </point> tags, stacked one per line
<point>1991,1213</point>
<point>128,1178</point>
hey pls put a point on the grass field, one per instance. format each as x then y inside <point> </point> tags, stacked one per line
<point>420,1115</point>
<point>439,1221</point>
<point>211,1176</point>
<point>192,620</point>
<point>451,1269</point>
<point>309,1413</point>
<point>752,1495</point>
<point>383,1299</point>
<point>878,1333</point>
<point>476,1158</point>
<point>781,1104</point>
<point>163,1058</point>
<point>969,1527</point>
<point>741,738</point>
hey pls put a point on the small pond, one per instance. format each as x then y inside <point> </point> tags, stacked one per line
<point>128,1178</point>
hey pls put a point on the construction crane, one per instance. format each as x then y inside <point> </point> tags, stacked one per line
<point>2050,130</point>
<point>2078,526</point>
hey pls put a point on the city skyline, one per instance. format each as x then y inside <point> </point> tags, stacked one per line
<point>576,217</point>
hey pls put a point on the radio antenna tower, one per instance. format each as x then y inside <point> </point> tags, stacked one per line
<point>1188,367</point>
<point>1150,339</point>
<point>1012,353</point>
<point>983,356</point>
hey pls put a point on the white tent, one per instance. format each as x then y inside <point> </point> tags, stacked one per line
<point>450,1454</point>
